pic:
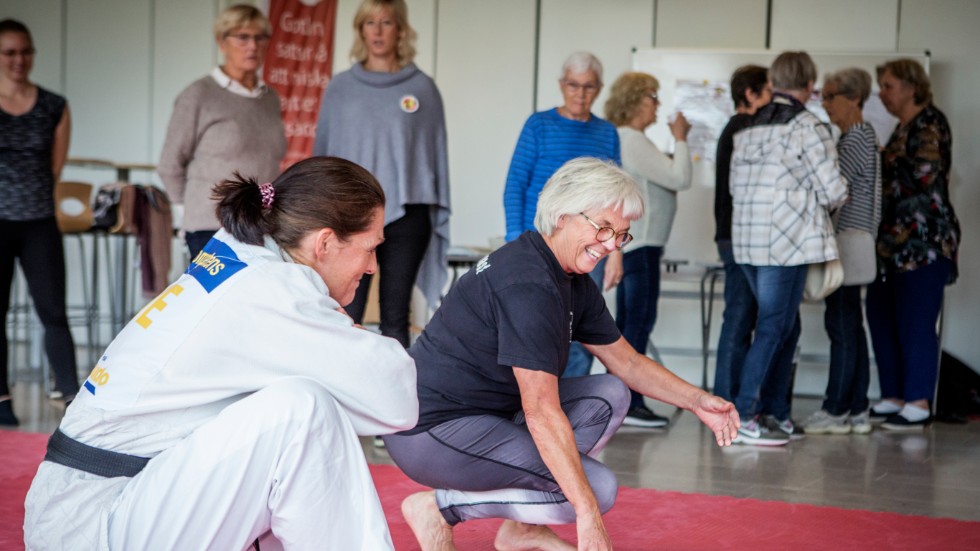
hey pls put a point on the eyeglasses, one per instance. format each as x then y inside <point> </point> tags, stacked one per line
<point>653,96</point>
<point>574,87</point>
<point>829,96</point>
<point>603,234</point>
<point>242,39</point>
<point>26,52</point>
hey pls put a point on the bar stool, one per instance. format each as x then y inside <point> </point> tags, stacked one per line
<point>73,212</point>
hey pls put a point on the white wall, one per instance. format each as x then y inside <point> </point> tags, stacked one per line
<point>121,62</point>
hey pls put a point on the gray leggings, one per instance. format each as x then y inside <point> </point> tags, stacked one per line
<point>485,466</point>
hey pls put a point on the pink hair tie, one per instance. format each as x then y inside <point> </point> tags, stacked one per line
<point>268,194</point>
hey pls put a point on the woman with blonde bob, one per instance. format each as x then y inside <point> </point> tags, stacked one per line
<point>632,107</point>
<point>226,121</point>
<point>387,115</point>
<point>500,434</point>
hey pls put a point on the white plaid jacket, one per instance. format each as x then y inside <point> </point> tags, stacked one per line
<point>784,179</point>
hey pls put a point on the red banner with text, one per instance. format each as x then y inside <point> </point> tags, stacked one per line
<point>298,66</point>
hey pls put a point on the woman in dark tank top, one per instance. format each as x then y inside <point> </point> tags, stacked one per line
<point>36,126</point>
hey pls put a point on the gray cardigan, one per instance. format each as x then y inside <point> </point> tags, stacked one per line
<point>661,177</point>
<point>213,133</point>
<point>393,125</point>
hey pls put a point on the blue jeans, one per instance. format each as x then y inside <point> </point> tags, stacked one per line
<point>737,324</point>
<point>778,290</point>
<point>636,301</point>
<point>847,385</point>
<point>579,359</point>
<point>902,312</point>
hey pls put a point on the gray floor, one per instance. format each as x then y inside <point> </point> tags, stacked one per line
<point>934,473</point>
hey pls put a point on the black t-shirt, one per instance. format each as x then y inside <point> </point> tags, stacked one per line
<point>723,170</point>
<point>515,308</point>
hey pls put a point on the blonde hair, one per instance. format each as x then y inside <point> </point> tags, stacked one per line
<point>405,53</point>
<point>587,184</point>
<point>626,94</point>
<point>238,16</point>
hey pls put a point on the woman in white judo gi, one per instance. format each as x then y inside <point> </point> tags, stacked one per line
<point>229,408</point>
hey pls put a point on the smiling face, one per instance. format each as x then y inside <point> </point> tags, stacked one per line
<point>16,56</point>
<point>381,34</point>
<point>574,239</point>
<point>244,50</point>
<point>579,91</point>
<point>341,263</point>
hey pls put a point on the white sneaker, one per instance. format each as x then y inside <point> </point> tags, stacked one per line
<point>860,423</point>
<point>822,422</point>
<point>754,433</point>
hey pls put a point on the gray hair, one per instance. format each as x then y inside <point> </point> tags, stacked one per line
<point>582,62</point>
<point>587,184</point>
<point>853,83</point>
<point>792,71</point>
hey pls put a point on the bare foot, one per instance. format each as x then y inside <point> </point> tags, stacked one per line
<point>517,536</point>
<point>426,522</point>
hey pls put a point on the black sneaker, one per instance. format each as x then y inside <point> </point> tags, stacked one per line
<point>643,417</point>
<point>900,424</point>
<point>876,417</point>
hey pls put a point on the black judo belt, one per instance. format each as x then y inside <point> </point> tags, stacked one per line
<point>69,452</point>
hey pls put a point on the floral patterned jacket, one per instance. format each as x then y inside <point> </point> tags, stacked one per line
<point>918,225</point>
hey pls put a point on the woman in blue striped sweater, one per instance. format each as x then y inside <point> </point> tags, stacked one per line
<point>845,406</point>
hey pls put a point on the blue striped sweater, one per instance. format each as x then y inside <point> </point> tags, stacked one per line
<point>547,141</point>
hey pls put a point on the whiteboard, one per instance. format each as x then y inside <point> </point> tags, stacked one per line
<point>696,82</point>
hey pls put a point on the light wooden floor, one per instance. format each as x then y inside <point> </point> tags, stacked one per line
<point>934,473</point>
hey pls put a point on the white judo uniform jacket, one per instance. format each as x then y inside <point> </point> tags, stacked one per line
<point>242,317</point>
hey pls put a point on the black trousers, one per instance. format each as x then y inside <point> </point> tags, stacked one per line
<point>399,258</point>
<point>38,246</point>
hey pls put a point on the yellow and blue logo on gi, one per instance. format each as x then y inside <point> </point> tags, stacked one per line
<point>99,376</point>
<point>214,265</point>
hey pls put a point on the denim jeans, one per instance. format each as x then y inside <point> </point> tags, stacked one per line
<point>579,359</point>
<point>737,324</point>
<point>847,385</point>
<point>636,301</point>
<point>778,290</point>
<point>902,312</point>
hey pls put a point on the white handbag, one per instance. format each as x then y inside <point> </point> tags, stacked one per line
<point>822,279</point>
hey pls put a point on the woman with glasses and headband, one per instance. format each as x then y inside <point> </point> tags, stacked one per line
<point>549,139</point>
<point>386,114</point>
<point>223,122</point>
<point>500,434</point>
<point>632,107</point>
<point>35,126</point>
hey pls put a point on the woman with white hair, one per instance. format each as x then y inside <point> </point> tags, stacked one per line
<point>549,139</point>
<point>386,115</point>
<point>500,435</point>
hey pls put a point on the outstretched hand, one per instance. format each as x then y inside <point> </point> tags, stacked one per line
<point>720,416</point>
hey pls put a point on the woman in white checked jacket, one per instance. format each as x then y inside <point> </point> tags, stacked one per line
<point>784,179</point>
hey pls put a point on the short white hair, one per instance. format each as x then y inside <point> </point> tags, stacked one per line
<point>587,184</point>
<point>582,62</point>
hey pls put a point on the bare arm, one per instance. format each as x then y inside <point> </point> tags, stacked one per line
<point>553,436</point>
<point>651,379</point>
<point>59,148</point>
